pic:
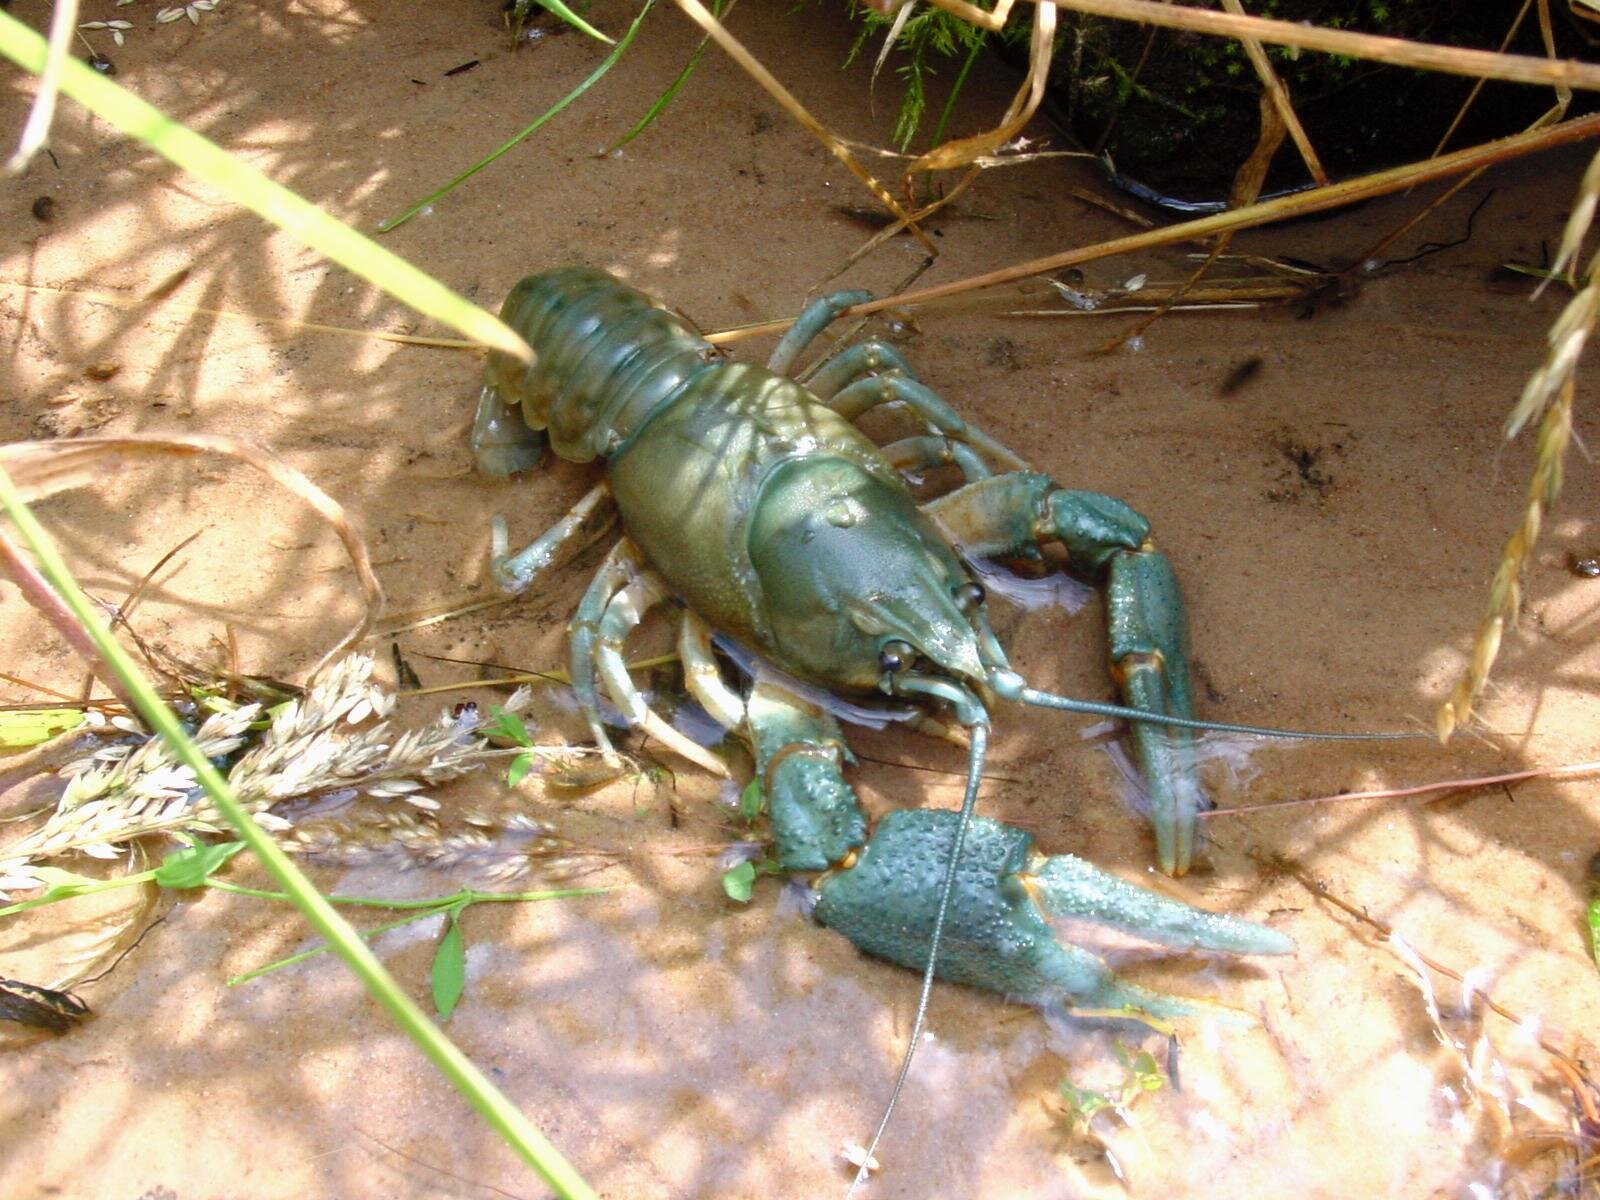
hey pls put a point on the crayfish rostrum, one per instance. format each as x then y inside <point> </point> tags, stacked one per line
<point>754,508</point>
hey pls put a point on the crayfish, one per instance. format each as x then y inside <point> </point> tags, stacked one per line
<point>756,509</point>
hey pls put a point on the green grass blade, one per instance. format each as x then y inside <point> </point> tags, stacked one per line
<point>955,91</point>
<point>573,19</point>
<point>666,97</point>
<point>490,1102</point>
<point>617,52</point>
<point>126,112</point>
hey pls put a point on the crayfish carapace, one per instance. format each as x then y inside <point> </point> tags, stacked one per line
<point>754,507</point>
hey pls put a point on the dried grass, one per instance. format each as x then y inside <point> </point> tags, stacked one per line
<point>311,747</point>
<point>1547,398</point>
<point>41,469</point>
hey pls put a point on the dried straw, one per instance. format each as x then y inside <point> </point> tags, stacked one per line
<point>44,468</point>
<point>1453,60</point>
<point>1549,393</point>
<point>311,747</point>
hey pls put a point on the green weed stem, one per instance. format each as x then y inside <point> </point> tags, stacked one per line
<point>490,1102</point>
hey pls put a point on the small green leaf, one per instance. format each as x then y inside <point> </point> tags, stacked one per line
<point>1082,1103</point>
<point>193,865</point>
<point>751,800</point>
<point>1594,929</point>
<point>508,726</point>
<point>30,726</point>
<point>740,882</point>
<point>520,766</point>
<point>449,973</point>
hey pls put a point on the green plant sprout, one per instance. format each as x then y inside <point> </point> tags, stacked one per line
<point>449,971</point>
<point>739,881</point>
<point>1140,1075</point>
<point>517,13</point>
<point>510,727</point>
<point>666,97</point>
<point>929,35</point>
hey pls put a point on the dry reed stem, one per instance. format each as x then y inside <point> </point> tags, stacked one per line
<point>1427,56</point>
<point>993,22</point>
<point>1321,890</point>
<point>44,468</point>
<point>36,130</point>
<point>1278,94</point>
<point>1549,391</point>
<point>735,50</point>
<point>960,152</point>
<point>1420,789</point>
<point>1364,187</point>
<point>1556,113</point>
<point>1247,183</point>
<point>1477,87</point>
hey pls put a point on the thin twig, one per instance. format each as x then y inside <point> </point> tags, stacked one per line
<point>1278,94</point>
<point>1477,87</point>
<point>1336,195</point>
<point>735,50</point>
<point>1427,56</point>
<point>1444,785</point>
<point>37,592</point>
<point>1323,892</point>
<point>63,21</point>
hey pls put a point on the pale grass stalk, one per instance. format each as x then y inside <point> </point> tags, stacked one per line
<point>446,1057</point>
<point>1549,391</point>
<point>36,130</point>
<point>1279,96</point>
<point>1505,593</point>
<point>959,152</point>
<point>1426,56</point>
<point>41,469</point>
<point>1336,195</point>
<point>130,115</point>
<point>991,21</point>
<point>1477,87</point>
<point>1402,793</point>
<point>753,67</point>
<point>289,323</point>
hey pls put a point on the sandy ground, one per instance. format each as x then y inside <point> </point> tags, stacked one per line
<point>1335,521</point>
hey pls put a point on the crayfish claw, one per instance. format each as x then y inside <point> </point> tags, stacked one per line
<point>998,933</point>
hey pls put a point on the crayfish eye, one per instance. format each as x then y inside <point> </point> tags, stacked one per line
<point>896,656</point>
<point>968,596</point>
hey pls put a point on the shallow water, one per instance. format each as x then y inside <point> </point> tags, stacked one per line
<point>1334,521</point>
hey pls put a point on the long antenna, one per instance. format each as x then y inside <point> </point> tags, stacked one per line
<point>979,731</point>
<point>1028,695</point>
